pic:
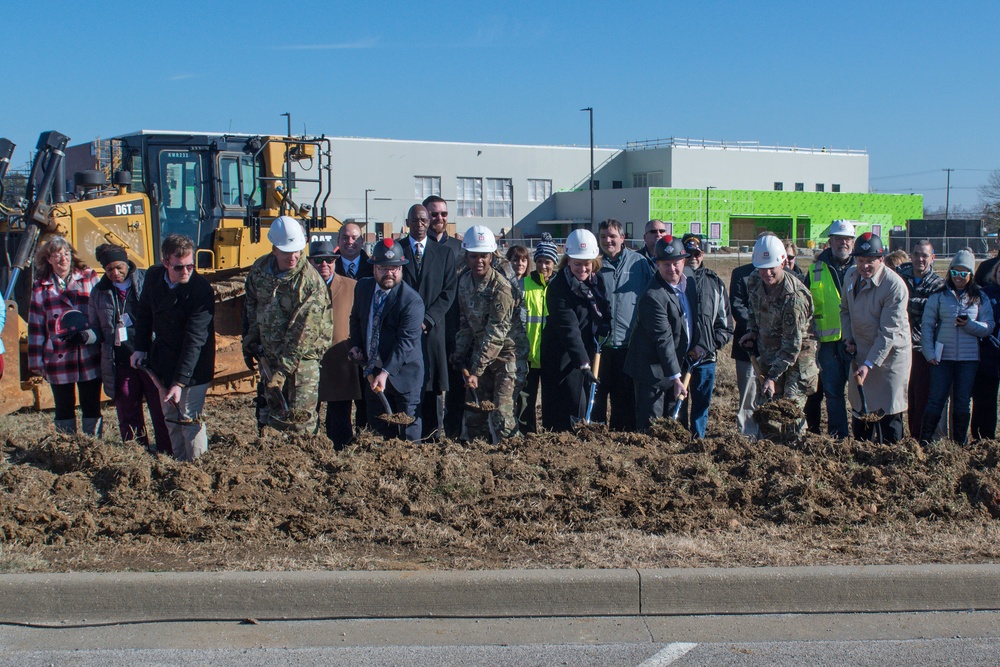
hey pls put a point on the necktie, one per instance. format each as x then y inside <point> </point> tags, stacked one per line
<point>418,254</point>
<point>373,358</point>
<point>351,271</point>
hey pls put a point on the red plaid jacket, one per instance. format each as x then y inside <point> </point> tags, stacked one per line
<point>48,356</point>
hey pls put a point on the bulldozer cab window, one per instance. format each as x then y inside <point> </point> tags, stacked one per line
<point>238,176</point>
<point>180,194</point>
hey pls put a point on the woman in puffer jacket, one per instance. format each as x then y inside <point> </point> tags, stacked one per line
<point>954,320</point>
<point>112,308</point>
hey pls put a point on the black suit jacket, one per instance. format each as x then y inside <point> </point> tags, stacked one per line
<point>399,340</point>
<point>365,270</point>
<point>660,340</point>
<point>437,284</point>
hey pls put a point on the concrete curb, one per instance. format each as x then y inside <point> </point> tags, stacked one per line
<point>86,598</point>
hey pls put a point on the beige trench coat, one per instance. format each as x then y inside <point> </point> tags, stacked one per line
<point>876,320</point>
<point>338,375</point>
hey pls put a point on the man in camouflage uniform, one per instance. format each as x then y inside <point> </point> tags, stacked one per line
<point>483,344</point>
<point>288,325</point>
<point>781,322</point>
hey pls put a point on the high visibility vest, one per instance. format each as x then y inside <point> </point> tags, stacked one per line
<point>537,311</point>
<point>826,302</point>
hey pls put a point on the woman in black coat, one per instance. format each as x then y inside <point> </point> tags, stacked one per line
<point>578,316</point>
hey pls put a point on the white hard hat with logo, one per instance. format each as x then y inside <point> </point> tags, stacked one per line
<point>286,234</point>
<point>768,252</point>
<point>582,244</point>
<point>841,228</point>
<point>479,238</point>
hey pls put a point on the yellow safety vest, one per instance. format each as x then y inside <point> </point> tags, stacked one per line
<point>537,311</point>
<point>826,302</point>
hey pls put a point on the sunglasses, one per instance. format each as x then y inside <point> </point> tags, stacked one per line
<point>959,274</point>
<point>181,268</point>
<point>322,260</point>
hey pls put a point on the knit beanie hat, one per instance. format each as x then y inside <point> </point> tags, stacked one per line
<point>547,249</point>
<point>108,253</point>
<point>965,259</point>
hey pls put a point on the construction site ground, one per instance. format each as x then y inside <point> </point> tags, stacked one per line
<point>588,499</point>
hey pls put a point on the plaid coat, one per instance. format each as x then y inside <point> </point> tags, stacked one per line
<point>53,359</point>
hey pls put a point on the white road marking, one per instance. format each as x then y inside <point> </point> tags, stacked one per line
<point>667,655</point>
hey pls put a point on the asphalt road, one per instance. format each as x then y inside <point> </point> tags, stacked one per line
<point>883,639</point>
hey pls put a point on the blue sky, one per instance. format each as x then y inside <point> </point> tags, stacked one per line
<point>915,83</point>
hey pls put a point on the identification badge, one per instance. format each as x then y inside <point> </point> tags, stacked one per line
<point>126,320</point>
<point>121,334</point>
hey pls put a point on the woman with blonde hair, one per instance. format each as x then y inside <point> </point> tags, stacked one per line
<point>61,346</point>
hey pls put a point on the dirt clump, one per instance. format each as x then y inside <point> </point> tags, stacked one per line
<point>399,418</point>
<point>482,406</point>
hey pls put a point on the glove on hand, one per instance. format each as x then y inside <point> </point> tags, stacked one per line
<point>250,361</point>
<point>588,375</point>
<point>85,337</point>
<point>277,382</point>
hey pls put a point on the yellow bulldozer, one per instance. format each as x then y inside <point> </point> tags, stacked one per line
<point>222,190</point>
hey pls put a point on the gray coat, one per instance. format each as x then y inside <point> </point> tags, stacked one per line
<point>105,306</point>
<point>938,325</point>
<point>623,284</point>
<point>876,320</point>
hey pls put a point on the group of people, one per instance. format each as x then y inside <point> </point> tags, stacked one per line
<point>145,336</point>
<point>433,337</point>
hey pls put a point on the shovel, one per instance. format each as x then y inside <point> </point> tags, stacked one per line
<point>144,366</point>
<point>595,369</point>
<point>687,381</point>
<point>866,416</point>
<point>265,375</point>
<point>400,419</point>
<point>476,405</point>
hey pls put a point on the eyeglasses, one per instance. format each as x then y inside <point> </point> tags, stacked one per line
<point>181,268</point>
<point>959,274</point>
<point>322,260</point>
<point>657,231</point>
<point>439,214</point>
<point>388,269</point>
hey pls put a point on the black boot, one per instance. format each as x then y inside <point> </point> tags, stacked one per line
<point>961,432</point>
<point>928,427</point>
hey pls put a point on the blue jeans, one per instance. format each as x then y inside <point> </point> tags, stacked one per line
<point>947,375</point>
<point>835,368</point>
<point>700,392</point>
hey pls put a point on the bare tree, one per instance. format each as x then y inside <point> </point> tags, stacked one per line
<point>989,198</point>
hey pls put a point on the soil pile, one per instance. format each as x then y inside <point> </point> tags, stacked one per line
<point>469,501</point>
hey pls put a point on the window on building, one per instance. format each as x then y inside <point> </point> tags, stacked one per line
<point>800,187</point>
<point>715,230</point>
<point>539,189</point>
<point>616,185</point>
<point>669,226</point>
<point>877,230</point>
<point>425,186</point>
<point>597,184</point>
<point>469,197</point>
<point>835,187</point>
<point>820,187</point>
<point>779,186</point>
<point>498,194</point>
<point>648,179</point>
<point>696,228</point>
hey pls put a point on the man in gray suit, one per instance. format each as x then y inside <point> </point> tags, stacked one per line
<point>385,337</point>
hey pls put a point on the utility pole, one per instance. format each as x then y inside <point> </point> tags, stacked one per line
<point>590,110</point>
<point>947,198</point>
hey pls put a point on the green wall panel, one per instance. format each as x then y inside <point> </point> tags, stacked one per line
<point>808,213</point>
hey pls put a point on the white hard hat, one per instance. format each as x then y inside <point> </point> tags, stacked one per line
<point>286,234</point>
<point>479,238</point>
<point>768,252</point>
<point>582,244</point>
<point>841,228</point>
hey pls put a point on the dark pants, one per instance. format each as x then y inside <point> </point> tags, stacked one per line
<point>814,408</point>
<point>406,403</point>
<point>652,403</point>
<point>918,392</point>
<point>529,421</point>
<point>132,387</point>
<point>618,387</point>
<point>432,414</point>
<point>890,425</point>
<point>338,423</point>
<point>984,404</point>
<point>835,368</point>
<point>64,396</point>
<point>946,376</point>
<point>454,404</point>
<point>563,399</point>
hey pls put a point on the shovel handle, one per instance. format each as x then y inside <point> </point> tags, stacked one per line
<point>596,366</point>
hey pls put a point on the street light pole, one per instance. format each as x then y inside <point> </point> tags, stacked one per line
<point>590,110</point>
<point>707,190</point>
<point>947,197</point>
<point>367,190</point>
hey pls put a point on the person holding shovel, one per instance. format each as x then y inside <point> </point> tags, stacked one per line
<point>485,346</point>
<point>665,332</point>
<point>386,326</point>
<point>876,332</point>
<point>782,326</point>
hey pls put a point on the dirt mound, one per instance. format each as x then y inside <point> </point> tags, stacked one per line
<point>64,491</point>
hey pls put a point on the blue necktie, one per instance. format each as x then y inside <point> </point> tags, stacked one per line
<point>373,358</point>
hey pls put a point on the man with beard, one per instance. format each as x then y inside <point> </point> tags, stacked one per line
<point>430,271</point>
<point>386,324</point>
<point>825,280</point>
